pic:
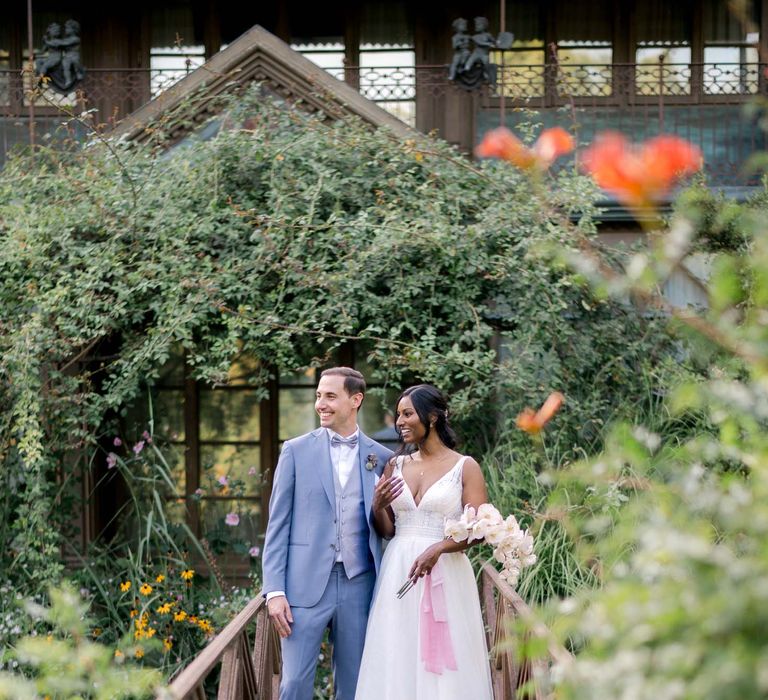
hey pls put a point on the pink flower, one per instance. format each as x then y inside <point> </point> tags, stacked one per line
<point>232,519</point>
<point>252,471</point>
<point>254,551</point>
<point>223,481</point>
<point>147,436</point>
<point>199,492</point>
<point>138,447</point>
<point>111,460</point>
<point>117,442</point>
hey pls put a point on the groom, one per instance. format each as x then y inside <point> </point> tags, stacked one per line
<point>321,552</point>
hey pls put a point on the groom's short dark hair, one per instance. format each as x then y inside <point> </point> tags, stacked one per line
<point>354,382</point>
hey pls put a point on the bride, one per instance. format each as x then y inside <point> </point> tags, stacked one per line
<point>430,641</point>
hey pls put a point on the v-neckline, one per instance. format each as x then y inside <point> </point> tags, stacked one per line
<point>434,483</point>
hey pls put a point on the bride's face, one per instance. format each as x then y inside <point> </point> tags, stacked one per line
<point>408,423</point>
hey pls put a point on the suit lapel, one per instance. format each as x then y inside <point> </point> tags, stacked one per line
<point>368,476</point>
<point>325,465</point>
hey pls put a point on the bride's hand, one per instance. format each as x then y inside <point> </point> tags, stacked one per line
<point>426,561</point>
<point>386,491</point>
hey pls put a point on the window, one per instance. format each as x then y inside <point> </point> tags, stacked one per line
<point>212,437</point>
<point>326,52</point>
<point>388,59</point>
<point>521,68</point>
<point>5,64</point>
<point>730,49</point>
<point>663,52</point>
<point>175,48</point>
<point>585,48</point>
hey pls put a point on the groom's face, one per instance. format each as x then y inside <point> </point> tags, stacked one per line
<point>337,409</point>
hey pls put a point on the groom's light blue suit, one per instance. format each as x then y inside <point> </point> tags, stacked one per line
<point>313,522</point>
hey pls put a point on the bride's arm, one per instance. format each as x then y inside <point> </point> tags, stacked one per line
<point>474,494</point>
<point>386,491</point>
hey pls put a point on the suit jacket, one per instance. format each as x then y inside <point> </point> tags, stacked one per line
<point>300,543</point>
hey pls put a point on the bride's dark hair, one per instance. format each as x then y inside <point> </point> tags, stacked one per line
<point>429,402</point>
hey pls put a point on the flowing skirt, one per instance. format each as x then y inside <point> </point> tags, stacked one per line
<point>392,667</point>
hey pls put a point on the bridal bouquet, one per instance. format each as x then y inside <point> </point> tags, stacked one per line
<point>513,547</point>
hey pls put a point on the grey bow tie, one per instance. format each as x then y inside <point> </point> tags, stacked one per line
<point>349,442</point>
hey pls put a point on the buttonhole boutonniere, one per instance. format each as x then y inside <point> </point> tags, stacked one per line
<point>371,462</point>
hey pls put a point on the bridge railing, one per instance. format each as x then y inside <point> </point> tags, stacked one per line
<point>513,676</point>
<point>247,652</point>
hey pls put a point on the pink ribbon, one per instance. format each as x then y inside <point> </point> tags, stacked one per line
<point>436,647</point>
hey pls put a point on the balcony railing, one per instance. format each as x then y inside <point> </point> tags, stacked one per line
<point>700,102</point>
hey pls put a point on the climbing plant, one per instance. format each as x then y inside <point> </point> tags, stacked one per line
<point>283,237</point>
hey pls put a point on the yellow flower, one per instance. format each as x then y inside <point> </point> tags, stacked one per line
<point>164,609</point>
<point>192,620</point>
<point>134,612</point>
<point>180,616</point>
<point>167,644</point>
<point>145,589</point>
<point>188,574</point>
<point>160,578</point>
<point>139,634</point>
<point>205,626</point>
<point>118,654</point>
<point>138,652</point>
<point>96,632</point>
<point>151,632</point>
<point>49,638</point>
<point>125,586</point>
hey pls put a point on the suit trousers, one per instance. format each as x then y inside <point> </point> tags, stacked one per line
<point>343,609</point>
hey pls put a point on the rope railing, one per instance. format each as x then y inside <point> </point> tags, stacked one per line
<point>247,651</point>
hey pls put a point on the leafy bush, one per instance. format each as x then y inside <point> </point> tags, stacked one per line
<point>283,240</point>
<point>65,663</point>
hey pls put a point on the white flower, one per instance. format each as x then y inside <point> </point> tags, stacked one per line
<point>488,521</point>
<point>456,530</point>
<point>459,530</point>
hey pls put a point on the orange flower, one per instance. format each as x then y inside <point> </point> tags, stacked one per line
<point>502,143</point>
<point>533,423</point>
<point>640,175</point>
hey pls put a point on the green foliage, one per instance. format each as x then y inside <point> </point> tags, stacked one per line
<point>65,663</point>
<point>284,240</point>
<point>674,521</point>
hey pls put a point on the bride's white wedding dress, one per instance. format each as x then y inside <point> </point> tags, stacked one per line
<point>407,656</point>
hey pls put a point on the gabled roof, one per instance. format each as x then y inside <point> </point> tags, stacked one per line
<point>259,56</point>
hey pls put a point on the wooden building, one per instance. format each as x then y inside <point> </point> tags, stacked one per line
<point>642,67</point>
<point>639,66</point>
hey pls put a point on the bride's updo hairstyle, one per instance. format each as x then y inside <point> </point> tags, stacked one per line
<point>430,404</point>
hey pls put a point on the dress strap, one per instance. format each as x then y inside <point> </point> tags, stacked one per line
<point>459,468</point>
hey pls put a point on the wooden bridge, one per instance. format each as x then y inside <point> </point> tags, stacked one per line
<point>248,652</point>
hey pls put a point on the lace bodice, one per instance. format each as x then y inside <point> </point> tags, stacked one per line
<point>441,501</point>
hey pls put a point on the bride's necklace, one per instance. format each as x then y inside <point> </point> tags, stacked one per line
<point>442,459</point>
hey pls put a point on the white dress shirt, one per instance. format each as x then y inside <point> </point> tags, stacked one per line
<point>343,458</point>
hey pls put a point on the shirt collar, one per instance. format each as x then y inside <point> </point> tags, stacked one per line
<point>331,433</point>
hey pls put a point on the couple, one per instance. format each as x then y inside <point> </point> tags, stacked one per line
<point>336,494</point>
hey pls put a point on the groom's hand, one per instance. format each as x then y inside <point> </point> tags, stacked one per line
<point>280,612</point>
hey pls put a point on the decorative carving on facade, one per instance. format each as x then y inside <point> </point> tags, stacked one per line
<point>471,66</point>
<point>59,66</point>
